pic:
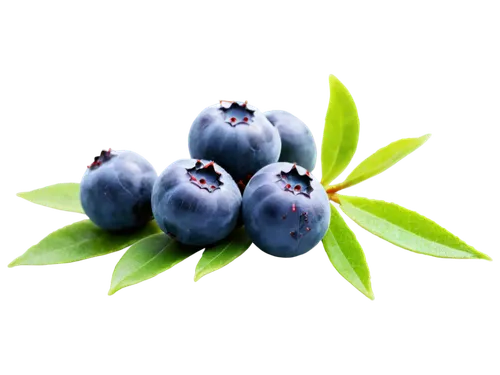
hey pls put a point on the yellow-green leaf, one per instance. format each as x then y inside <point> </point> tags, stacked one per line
<point>340,137</point>
<point>406,229</point>
<point>65,197</point>
<point>383,159</point>
<point>78,241</point>
<point>148,258</point>
<point>223,253</point>
<point>346,254</point>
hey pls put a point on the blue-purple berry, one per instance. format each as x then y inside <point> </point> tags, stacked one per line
<point>297,141</point>
<point>115,191</point>
<point>286,211</point>
<point>236,136</point>
<point>196,201</point>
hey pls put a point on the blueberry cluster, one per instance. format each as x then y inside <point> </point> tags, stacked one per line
<point>246,168</point>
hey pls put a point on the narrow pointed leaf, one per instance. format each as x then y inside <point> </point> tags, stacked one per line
<point>340,137</point>
<point>406,229</point>
<point>65,197</point>
<point>383,159</point>
<point>346,254</point>
<point>223,253</point>
<point>148,258</point>
<point>78,241</point>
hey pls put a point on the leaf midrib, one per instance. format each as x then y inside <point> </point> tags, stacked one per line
<point>336,152</point>
<point>198,273</point>
<point>430,243</point>
<point>343,254</point>
<point>145,264</point>
<point>218,255</point>
<point>363,171</point>
<point>75,245</point>
<point>333,170</point>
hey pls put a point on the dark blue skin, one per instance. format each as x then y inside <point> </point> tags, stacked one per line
<point>196,201</point>
<point>297,142</point>
<point>285,210</point>
<point>115,191</point>
<point>236,136</point>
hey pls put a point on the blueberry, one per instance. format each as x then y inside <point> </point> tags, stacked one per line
<point>196,201</point>
<point>285,210</point>
<point>297,142</point>
<point>115,191</point>
<point>236,136</point>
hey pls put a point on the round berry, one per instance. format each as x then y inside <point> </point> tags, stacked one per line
<point>297,142</point>
<point>115,191</point>
<point>286,211</point>
<point>196,201</point>
<point>236,136</point>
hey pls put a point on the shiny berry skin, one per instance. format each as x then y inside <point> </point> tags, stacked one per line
<point>297,142</point>
<point>286,211</point>
<point>236,136</point>
<point>196,201</point>
<point>115,191</point>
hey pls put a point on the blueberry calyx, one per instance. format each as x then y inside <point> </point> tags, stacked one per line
<point>99,160</point>
<point>296,183</point>
<point>237,113</point>
<point>205,176</point>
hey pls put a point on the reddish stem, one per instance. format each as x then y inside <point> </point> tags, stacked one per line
<point>334,189</point>
<point>334,197</point>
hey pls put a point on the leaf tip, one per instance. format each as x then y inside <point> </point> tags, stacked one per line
<point>110,293</point>
<point>426,136</point>
<point>195,278</point>
<point>12,264</point>
<point>19,196</point>
<point>114,287</point>
<point>370,295</point>
<point>332,76</point>
<point>488,258</point>
<point>482,256</point>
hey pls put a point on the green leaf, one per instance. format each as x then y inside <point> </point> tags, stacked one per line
<point>383,159</point>
<point>65,197</point>
<point>78,241</point>
<point>346,254</point>
<point>148,258</point>
<point>223,253</point>
<point>406,229</point>
<point>340,137</point>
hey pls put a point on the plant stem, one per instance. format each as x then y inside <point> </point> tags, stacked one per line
<point>334,188</point>
<point>334,197</point>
